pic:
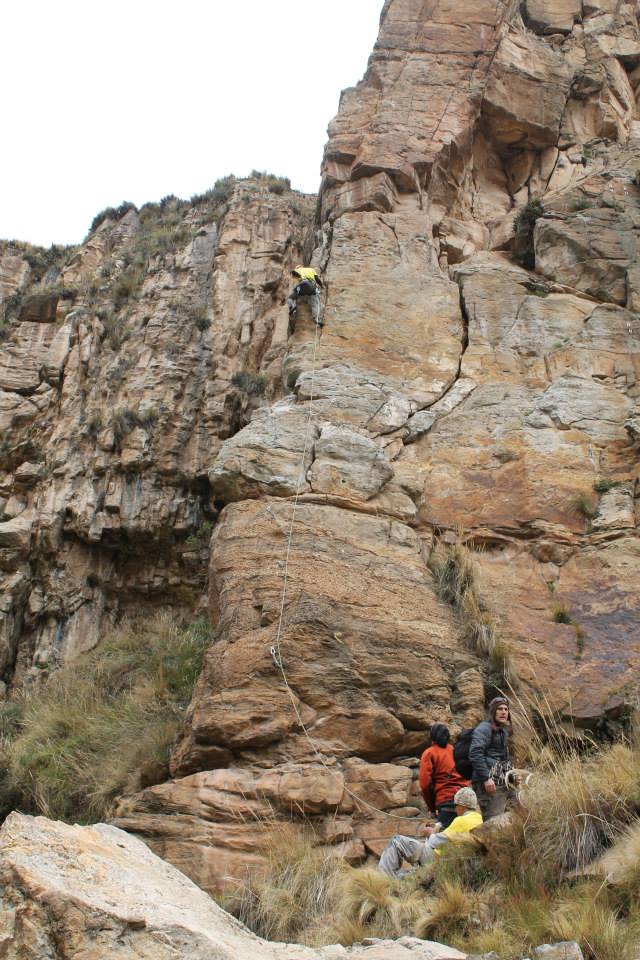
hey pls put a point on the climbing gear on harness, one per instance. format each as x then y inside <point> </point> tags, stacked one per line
<point>499,772</point>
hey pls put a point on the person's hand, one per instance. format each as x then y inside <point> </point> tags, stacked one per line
<point>427,831</point>
<point>489,787</point>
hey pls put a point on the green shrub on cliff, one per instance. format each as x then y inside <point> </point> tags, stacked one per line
<point>455,576</point>
<point>273,183</point>
<point>101,725</point>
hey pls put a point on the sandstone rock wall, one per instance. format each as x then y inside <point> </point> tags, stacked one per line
<point>467,383</point>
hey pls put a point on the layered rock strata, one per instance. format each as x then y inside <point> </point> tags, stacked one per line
<point>467,384</point>
<point>125,364</point>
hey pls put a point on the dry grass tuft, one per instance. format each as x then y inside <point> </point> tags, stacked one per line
<point>366,892</point>
<point>621,864</point>
<point>446,914</point>
<point>374,901</point>
<point>455,576</point>
<point>297,894</point>
<point>577,802</point>
<point>497,939</point>
<point>86,733</point>
<point>456,580</point>
<point>503,665</point>
<point>347,932</point>
<point>596,926</point>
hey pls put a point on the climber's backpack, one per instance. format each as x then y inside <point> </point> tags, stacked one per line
<point>461,753</point>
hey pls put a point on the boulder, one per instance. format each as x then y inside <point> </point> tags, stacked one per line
<point>348,464</point>
<point>102,893</point>
<point>566,950</point>
<point>266,457</point>
<point>97,893</point>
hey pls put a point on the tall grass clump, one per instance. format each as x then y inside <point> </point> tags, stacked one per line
<point>577,806</point>
<point>296,894</point>
<point>456,581</point>
<point>98,726</point>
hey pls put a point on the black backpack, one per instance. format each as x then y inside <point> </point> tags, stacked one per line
<point>461,753</point>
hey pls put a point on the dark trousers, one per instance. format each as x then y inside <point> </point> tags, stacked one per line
<point>446,813</point>
<point>303,289</point>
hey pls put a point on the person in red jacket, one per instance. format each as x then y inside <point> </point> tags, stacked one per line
<point>439,780</point>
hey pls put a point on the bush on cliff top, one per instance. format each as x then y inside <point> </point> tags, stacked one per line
<point>102,724</point>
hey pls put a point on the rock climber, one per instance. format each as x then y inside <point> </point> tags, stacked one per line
<point>308,284</point>
<point>418,851</point>
<point>439,780</point>
<point>489,754</point>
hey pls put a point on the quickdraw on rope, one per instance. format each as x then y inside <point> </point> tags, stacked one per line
<point>276,654</point>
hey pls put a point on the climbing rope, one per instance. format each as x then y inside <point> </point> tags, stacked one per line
<point>275,651</point>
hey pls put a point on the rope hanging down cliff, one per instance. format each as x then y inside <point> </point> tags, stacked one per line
<point>275,651</point>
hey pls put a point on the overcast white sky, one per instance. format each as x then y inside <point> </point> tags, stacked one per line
<point>112,100</point>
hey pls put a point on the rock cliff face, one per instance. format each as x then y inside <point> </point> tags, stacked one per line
<point>125,364</point>
<point>476,378</point>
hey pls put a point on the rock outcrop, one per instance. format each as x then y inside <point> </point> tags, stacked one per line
<point>476,379</point>
<point>95,893</point>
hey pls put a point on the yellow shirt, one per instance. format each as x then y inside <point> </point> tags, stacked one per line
<point>306,273</point>
<point>461,825</point>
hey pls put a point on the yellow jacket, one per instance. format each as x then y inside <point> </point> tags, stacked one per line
<point>461,825</point>
<point>306,273</point>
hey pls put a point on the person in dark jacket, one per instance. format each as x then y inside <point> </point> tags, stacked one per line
<point>489,754</point>
<point>439,780</point>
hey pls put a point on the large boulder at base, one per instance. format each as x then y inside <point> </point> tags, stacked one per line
<point>95,893</point>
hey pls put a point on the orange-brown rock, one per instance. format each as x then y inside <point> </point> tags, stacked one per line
<point>466,384</point>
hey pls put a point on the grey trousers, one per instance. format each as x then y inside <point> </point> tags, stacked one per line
<point>414,851</point>
<point>490,806</point>
<point>314,302</point>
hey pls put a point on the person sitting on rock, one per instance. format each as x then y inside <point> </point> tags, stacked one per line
<point>308,285</point>
<point>439,780</point>
<point>418,851</point>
